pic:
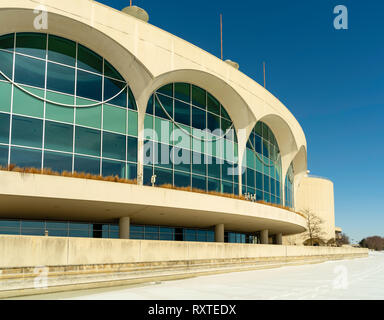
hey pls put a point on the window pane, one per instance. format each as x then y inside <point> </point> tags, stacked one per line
<point>250,178</point>
<point>199,97</point>
<point>4,128</point>
<point>25,104</point>
<point>55,112</point>
<point>182,113</point>
<point>132,149</point>
<point>58,136</point>
<point>132,123</point>
<point>6,64</point>
<point>32,44</point>
<point>114,146</point>
<point>7,41</point>
<point>114,119</point>
<point>89,85</point>
<point>214,168</point>
<point>228,171</point>
<point>30,71</point>
<point>132,171</point>
<point>10,224</point>
<point>167,89</point>
<point>199,182</point>
<point>26,158</point>
<point>213,122</point>
<point>113,168</point>
<point>182,92</point>
<point>61,50</point>
<point>58,161</point>
<point>259,181</point>
<point>111,89</point>
<point>110,71</point>
<point>3,155</point>
<point>199,163</point>
<point>167,104</point>
<point>266,184</point>
<point>227,187</point>
<point>225,114</point>
<point>182,179</point>
<point>27,132</point>
<point>5,96</point>
<point>89,60</point>
<point>131,101</point>
<point>89,117</point>
<point>213,105</point>
<point>182,159</point>
<point>87,165</point>
<point>163,176</point>
<point>199,119</point>
<point>87,141</point>
<point>60,78</point>
<point>214,185</point>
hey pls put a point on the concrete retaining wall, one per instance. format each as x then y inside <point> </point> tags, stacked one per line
<point>27,251</point>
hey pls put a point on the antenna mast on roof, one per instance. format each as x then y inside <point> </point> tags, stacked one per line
<point>221,35</point>
<point>264,75</point>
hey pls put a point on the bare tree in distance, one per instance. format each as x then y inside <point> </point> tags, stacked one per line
<point>314,227</point>
<point>344,239</point>
<point>374,243</point>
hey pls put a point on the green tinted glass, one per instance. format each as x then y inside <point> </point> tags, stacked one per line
<point>213,105</point>
<point>90,117</point>
<point>114,119</point>
<point>59,113</point>
<point>89,60</point>
<point>132,123</point>
<point>5,96</point>
<point>7,42</point>
<point>61,50</point>
<point>110,71</point>
<point>26,104</point>
<point>33,44</point>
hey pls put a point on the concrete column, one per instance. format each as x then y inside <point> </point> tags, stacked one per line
<point>219,233</point>
<point>279,238</point>
<point>124,225</point>
<point>264,239</point>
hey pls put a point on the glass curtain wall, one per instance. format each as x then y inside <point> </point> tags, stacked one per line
<point>99,139</point>
<point>190,140</point>
<point>289,187</point>
<point>262,166</point>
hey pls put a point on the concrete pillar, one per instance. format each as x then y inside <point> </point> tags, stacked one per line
<point>124,225</point>
<point>219,233</point>
<point>279,238</point>
<point>264,239</point>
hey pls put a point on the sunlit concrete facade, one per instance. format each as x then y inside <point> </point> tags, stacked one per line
<point>147,59</point>
<point>316,195</point>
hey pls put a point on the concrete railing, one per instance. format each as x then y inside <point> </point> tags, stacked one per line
<point>28,251</point>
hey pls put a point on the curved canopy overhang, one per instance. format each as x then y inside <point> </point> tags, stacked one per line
<point>148,57</point>
<point>30,196</point>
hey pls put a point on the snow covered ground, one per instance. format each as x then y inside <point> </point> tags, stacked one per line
<point>346,279</point>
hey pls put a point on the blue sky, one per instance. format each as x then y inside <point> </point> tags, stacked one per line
<point>331,80</point>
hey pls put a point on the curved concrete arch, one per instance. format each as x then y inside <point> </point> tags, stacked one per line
<point>233,103</point>
<point>128,65</point>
